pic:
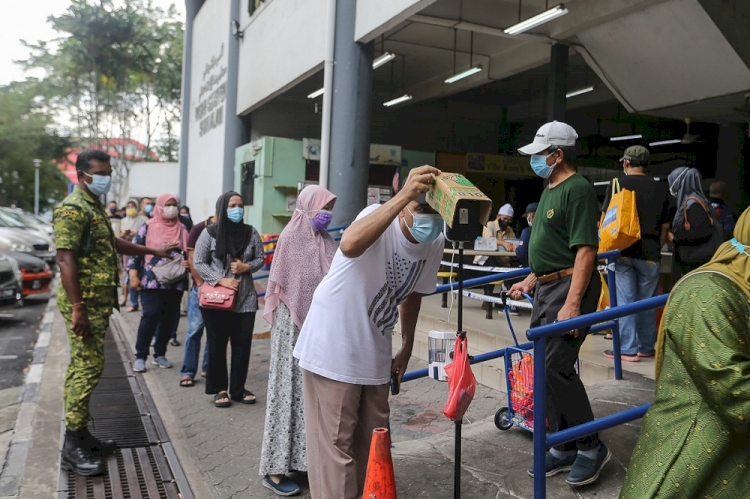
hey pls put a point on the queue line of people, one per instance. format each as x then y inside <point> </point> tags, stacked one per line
<point>387,260</point>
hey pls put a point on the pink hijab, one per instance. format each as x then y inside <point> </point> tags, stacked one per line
<point>295,272</point>
<point>161,230</point>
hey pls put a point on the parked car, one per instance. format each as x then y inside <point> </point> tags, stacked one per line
<point>32,220</point>
<point>11,294</point>
<point>15,236</point>
<point>36,275</point>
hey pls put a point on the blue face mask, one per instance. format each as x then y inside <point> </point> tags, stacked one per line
<point>235,214</point>
<point>425,228</point>
<point>539,165</point>
<point>148,209</point>
<point>99,184</point>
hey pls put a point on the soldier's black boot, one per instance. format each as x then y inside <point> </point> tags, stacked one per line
<point>77,456</point>
<point>99,447</point>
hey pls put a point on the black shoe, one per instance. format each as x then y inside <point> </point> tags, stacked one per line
<point>99,447</point>
<point>77,456</point>
<point>174,342</point>
<point>585,471</point>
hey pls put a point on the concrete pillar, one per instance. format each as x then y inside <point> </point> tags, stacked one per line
<point>350,117</point>
<point>234,132</point>
<point>730,162</point>
<point>558,83</point>
<point>191,10</point>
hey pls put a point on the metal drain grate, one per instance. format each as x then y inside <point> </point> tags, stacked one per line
<point>131,473</point>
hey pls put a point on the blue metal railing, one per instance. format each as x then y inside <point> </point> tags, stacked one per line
<point>332,229</point>
<point>539,336</point>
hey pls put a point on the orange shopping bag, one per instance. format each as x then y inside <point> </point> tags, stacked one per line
<point>461,382</point>
<point>620,227</point>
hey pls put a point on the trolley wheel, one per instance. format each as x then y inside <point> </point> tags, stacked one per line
<point>501,419</point>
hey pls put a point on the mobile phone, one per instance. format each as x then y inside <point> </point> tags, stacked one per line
<point>395,386</point>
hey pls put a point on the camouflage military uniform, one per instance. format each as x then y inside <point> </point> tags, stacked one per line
<point>82,225</point>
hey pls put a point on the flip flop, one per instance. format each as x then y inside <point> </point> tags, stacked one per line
<point>187,382</point>
<point>245,400</point>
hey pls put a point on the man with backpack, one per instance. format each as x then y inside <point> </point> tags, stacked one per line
<point>87,256</point>
<point>637,270</point>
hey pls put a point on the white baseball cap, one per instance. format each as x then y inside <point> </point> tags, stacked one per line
<point>551,134</point>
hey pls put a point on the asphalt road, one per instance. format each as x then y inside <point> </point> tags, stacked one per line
<point>17,337</point>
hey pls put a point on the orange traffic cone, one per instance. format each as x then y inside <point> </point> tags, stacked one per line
<point>380,482</point>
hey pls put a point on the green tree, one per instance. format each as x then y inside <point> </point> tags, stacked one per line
<point>26,134</point>
<point>115,73</point>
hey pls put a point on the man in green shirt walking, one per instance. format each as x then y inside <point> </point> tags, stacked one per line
<point>87,255</point>
<point>562,257</point>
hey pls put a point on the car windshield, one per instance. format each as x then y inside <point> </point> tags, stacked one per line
<point>26,218</point>
<point>12,220</point>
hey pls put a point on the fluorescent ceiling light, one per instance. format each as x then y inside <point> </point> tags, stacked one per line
<point>627,137</point>
<point>317,93</point>
<point>461,76</point>
<point>398,100</point>
<point>580,91</point>
<point>533,22</point>
<point>665,142</point>
<point>387,56</point>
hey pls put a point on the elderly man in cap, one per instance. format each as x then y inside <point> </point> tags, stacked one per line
<point>388,258</point>
<point>637,271</point>
<point>562,257</point>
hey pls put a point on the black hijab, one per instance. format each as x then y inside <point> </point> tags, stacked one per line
<point>231,238</point>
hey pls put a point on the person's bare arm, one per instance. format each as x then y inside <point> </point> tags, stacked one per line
<point>664,237</point>
<point>124,247</point>
<point>582,271</point>
<point>66,260</point>
<point>409,313</point>
<point>196,276</point>
<point>362,233</point>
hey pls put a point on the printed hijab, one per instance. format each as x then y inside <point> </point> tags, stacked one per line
<point>301,259</point>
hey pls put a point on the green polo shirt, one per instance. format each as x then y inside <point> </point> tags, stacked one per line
<point>566,218</point>
<point>81,225</point>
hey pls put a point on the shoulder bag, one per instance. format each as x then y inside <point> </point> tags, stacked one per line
<point>703,252</point>
<point>216,297</point>
<point>169,271</point>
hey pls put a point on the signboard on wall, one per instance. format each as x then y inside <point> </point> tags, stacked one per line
<point>207,107</point>
<point>515,166</point>
<point>379,154</point>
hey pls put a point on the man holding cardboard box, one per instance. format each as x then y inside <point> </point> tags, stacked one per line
<point>388,258</point>
<point>562,257</point>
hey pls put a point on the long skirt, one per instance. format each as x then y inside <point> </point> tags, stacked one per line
<point>284,448</point>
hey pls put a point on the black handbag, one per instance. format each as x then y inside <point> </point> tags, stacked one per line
<point>703,252</point>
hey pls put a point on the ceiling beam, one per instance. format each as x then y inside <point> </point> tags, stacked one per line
<point>478,28</point>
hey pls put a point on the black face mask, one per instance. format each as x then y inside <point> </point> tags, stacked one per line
<point>503,224</point>
<point>113,210</point>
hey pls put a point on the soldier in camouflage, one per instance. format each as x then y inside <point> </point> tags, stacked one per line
<point>87,255</point>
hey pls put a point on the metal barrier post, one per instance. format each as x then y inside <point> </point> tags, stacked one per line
<point>540,418</point>
<point>612,284</point>
<point>459,334</point>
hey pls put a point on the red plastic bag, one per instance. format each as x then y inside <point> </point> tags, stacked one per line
<point>461,382</point>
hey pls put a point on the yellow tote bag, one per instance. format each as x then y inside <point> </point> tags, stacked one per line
<point>620,226</point>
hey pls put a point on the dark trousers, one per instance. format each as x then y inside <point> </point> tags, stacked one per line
<point>222,328</point>
<point>160,308</point>
<point>567,402</point>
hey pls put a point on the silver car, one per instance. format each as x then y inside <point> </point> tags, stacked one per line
<point>34,221</point>
<point>14,236</point>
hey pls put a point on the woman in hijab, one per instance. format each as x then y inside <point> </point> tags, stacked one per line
<point>692,227</point>
<point>226,254</point>
<point>128,227</point>
<point>160,300</point>
<point>301,259</point>
<point>693,440</point>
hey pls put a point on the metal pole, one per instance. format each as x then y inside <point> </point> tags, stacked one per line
<point>325,132</point>
<point>459,334</point>
<point>540,418</point>
<point>612,284</point>
<point>37,165</point>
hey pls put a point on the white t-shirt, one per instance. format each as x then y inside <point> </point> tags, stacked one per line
<point>347,333</point>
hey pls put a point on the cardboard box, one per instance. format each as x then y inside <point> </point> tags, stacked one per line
<point>458,201</point>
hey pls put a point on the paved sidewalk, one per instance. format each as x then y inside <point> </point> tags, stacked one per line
<point>223,445</point>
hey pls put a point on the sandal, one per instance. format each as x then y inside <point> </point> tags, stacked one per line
<point>245,400</point>
<point>203,374</point>
<point>222,396</point>
<point>131,309</point>
<point>608,336</point>
<point>174,342</point>
<point>187,381</point>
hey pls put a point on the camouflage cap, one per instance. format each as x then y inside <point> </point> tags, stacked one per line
<point>637,155</point>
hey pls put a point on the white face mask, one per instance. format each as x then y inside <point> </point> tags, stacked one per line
<point>170,212</point>
<point>529,220</point>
